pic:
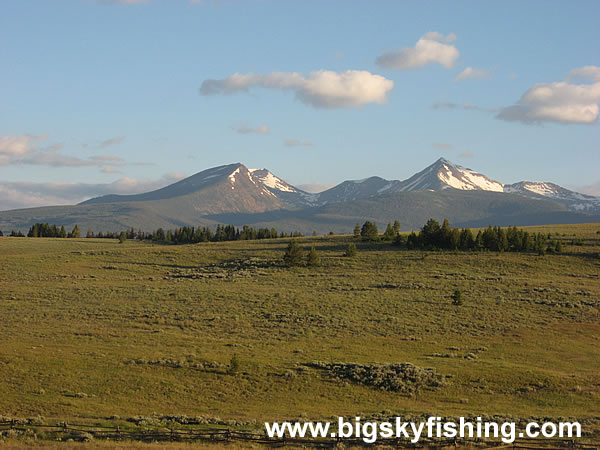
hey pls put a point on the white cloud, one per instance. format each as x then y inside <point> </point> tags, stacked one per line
<point>591,73</point>
<point>28,150</point>
<point>244,129</point>
<point>30,194</point>
<point>466,155</point>
<point>560,102</point>
<point>472,72</point>
<point>431,48</point>
<point>320,89</point>
<point>12,147</point>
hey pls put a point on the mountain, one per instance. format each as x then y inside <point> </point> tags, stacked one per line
<point>354,190</point>
<point>574,201</point>
<point>287,193</point>
<point>444,174</point>
<point>231,188</point>
<point>235,194</point>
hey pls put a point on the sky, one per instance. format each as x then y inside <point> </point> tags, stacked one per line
<point>124,96</point>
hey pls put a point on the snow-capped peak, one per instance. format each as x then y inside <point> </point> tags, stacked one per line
<point>466,179</point>
<point>444,174</point>
<point>271,181</point>
<point>537,187</point>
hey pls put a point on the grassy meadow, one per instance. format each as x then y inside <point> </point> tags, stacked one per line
<point>91,329</point>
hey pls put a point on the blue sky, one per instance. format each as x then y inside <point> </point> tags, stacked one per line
<point>124,96</point>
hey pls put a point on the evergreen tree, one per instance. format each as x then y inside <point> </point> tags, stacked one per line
<point>159,235</point>
<point>75,233</point>
<point>445,237</point>
<point>413,241</point>
<point>396,226</point>
<point>454,239</point>
<point>357,231</point>
<point>122,237</point>
<point>430,234</point>
<point>293,254</point>
<point>479,241</point>
<point>467,241</point>
<point>313,258</point>
<point>369,231</point>
<point>399,239</point>
<point>389,233</point>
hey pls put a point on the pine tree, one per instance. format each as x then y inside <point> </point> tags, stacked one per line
<point>369,231</point>
<point>293,254</point>
<point>75,233</point>
<point>430,234</point>
<point>313,259</point>
<point>467,241</point>
<point>396,226</point>
<point>445,238</point>
<point>122,237</point>
<point>389,233</point>
<point>357,231</point>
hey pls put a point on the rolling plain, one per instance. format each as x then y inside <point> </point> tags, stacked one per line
<point>97,332</point>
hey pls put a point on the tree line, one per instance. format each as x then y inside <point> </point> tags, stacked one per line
<point>47,230</point>
<point>435,236</point>
<point>182,235</point>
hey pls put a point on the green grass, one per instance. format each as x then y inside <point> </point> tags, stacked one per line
<point>74,313</point>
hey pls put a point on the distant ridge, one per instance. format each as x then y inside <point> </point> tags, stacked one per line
<point>234,194</point>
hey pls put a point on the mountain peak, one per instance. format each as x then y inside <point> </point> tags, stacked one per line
<point>271,181</point>
<point>444,174</point>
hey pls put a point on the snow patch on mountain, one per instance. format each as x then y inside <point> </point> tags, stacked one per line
<point>271,181</point>
<point>574,201</point>
<point>233,174</point>
<point>468,180</point>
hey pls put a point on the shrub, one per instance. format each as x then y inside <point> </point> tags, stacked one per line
<point>313,258</point>
<point>293,254</point>
<point>234,365</point>
<point>350,250</point>
<point>396,377</point>
<point>456,297</point>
